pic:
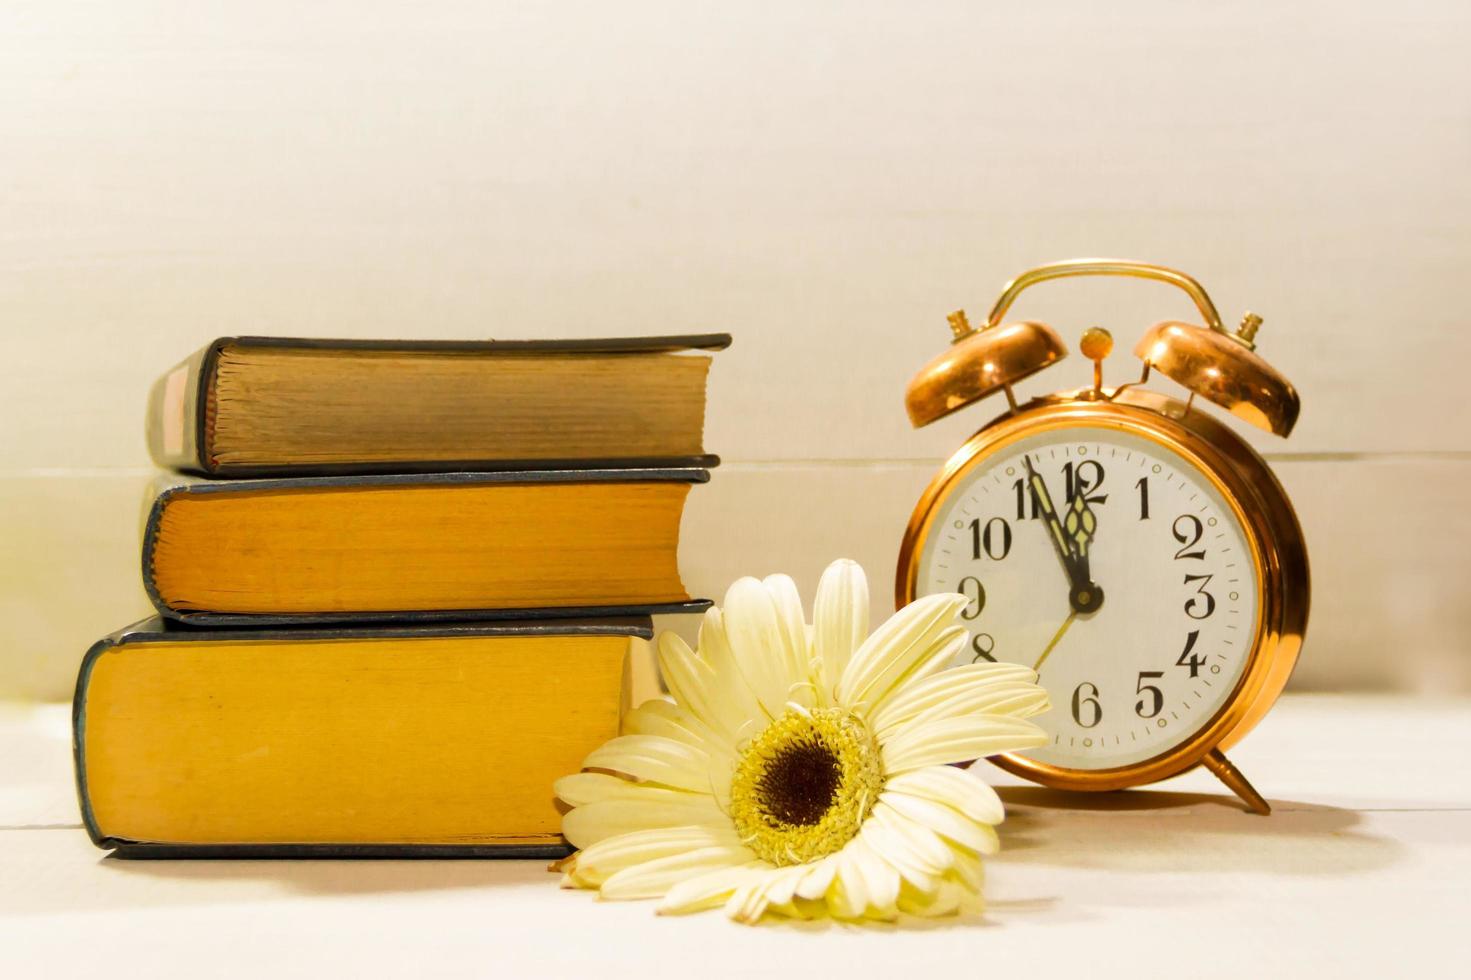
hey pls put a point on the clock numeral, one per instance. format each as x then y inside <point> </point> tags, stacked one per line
<point>1188,538</point>
<point>982,644</point>
<point>1080,483</point>
<point>1087,704</point>
<point>1023,491</point>
<point>1155,695</point>
<point>972,589</point>
<point>995,545</point>
<point>1188,659</point>
<point>1143,486</point>
<point>1193,603</point>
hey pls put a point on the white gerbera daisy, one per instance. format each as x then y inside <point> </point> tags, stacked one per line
<point>804,770</point>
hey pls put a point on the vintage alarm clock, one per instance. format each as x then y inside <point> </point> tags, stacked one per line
<point>1127,544</point>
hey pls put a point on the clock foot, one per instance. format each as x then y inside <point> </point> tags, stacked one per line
<point>1227,773</point>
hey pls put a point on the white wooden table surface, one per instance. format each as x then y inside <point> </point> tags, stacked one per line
<point>1363,870</point>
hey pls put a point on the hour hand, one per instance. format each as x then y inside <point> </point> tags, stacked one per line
<point>1079,527</point>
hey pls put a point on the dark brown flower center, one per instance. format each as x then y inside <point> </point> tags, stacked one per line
<point>800,782</point>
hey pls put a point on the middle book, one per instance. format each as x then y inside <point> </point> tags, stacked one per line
<point>431,546</point>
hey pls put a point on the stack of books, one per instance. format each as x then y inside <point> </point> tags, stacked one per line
<point>397,591</point>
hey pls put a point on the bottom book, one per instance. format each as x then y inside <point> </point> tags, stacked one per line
<point>396,741</point>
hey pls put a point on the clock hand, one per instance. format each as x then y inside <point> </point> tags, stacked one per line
<point>1080,525</point>
<point>1049,515</point>
<point>1054,641</point>
<point>1084,595</point>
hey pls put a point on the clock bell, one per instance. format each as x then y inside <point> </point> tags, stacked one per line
<point>1206,358</point>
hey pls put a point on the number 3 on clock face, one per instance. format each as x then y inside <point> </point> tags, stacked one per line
<point>1147,657</point>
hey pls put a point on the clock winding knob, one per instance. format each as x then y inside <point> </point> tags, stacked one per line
<point>960,327</point>
<point>1246,333</point>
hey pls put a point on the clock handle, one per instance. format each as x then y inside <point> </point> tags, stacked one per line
<point>1107,267</point>
<point>1226,772</point>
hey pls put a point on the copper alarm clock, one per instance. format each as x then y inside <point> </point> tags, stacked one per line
<point>1125,543</point>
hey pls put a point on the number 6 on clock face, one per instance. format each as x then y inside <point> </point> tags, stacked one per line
<point>1171,563</point>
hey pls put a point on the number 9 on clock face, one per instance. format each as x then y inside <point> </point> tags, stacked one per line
<point>1113,564</point>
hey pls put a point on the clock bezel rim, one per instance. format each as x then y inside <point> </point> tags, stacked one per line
<point>1241,476</point>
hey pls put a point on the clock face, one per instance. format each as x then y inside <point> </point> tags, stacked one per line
<point>1114,565</point>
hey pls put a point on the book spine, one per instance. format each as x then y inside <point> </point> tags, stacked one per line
<point>79,736</point>
<point>175,414</point>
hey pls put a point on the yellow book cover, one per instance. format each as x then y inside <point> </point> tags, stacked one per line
<point>433,740</point>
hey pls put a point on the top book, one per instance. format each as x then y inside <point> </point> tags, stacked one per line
<point>263,406</point>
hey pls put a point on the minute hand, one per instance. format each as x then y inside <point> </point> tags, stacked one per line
<point>1071,542</point>
<point>1060,537</point>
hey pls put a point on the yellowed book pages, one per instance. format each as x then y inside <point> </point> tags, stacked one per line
<point>383,545</point>
<point>258,406</point>
<point>279,407</point>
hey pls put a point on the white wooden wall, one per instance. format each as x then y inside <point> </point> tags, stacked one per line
<point>823,181</point>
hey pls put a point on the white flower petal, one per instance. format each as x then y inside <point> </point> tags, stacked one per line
<point>840,621</point>
<point>890,846</point>
<point>1001,689</point>
<point>593,865</point>
<point>947,898</point>
<point>655,759</point>
<point>759,642</point>
<point>904,641</point>
<point>925,851</point>
<point>738,701</point>
<point>795,646</point>
<point>693,684</point>
<point>959,891</point>
<point>958,788</point>
<point>940,654</point>
<point>880,880</point>
<point>781,887</point>
<point>653,879</point>
<point>969,871</point>
<point>748,902</point>
<point>582,788</point>
<point>848,896</point>
<point>774,891</point>
<point>711,888</point>
<point>943,820</point>
<point>586,825</point>
<point>962,739</point>
<point>818,877</point>
<point>668,720</point>
<point>921,902</point>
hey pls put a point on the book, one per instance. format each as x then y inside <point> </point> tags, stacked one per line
<point>411,547</point>
<point>261,406</point>
<point>435,740</point>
